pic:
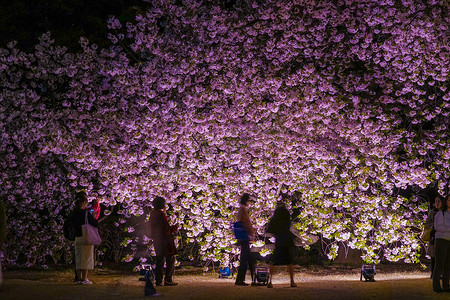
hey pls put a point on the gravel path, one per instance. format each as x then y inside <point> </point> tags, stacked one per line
<point>332,284</point>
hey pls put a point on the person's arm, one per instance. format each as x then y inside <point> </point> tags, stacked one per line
<point>91,220</point>
<point>96,208</point>
<point>168,229</point>
<point>245,218</point>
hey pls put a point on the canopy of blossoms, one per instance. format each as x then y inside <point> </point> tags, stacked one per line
<point>337,104</point>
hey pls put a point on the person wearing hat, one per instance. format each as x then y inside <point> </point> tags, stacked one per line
<point>163,241</point>
<point>246,259</point>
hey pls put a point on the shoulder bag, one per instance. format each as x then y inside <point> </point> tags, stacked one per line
<point>90,233</point>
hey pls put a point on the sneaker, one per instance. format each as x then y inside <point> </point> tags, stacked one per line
<point>170,283</point>
<point>270,285</point>
<point>293,285</point>
<point>241,283</point>
<point>86,281</point>
<point>158,283</point>
<point>438,290</point>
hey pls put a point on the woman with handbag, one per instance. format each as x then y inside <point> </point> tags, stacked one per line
<point>84,253</point>
<point>429,225</point>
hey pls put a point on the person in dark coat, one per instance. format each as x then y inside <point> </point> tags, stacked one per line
<point>163,241</point>
<point>280,225</point>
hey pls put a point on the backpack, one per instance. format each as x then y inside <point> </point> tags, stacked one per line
<point>69,228</point>
<point>240,232</point>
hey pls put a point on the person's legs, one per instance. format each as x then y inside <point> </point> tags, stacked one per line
<point>251,263</point>
<point>170,269</point>
<point>272,270</point>
<point>79,274</point>
<point>291,275</point>
<point>446,272</point>
<point>245,255</point>
<point>433,263</point>
<point>159,266</point>
<point>78,266</point>
<point>83,274</point>
<point>440,257</point>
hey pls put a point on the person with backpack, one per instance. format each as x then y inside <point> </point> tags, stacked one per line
<point>246,260</point>
<point>442,248</point>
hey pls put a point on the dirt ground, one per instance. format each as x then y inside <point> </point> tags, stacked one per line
<point>313,283</point>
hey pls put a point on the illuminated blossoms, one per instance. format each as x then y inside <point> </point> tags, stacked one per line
<point>340,104</point>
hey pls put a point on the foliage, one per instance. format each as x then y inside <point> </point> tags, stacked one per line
<point>342,102</point>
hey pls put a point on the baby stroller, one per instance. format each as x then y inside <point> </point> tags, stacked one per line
<point>261,275</point>
<point>368,272</point>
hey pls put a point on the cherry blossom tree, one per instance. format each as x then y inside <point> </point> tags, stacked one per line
<point>337,104</point>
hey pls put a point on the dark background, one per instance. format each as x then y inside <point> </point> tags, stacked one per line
<point>67,20</point>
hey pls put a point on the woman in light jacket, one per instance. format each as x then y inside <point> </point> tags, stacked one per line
<point>442,248</point>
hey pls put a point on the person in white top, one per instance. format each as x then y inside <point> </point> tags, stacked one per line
<point>442,248</point>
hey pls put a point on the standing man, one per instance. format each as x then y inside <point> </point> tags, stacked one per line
<point>246,259</point>
<point>162,234</point>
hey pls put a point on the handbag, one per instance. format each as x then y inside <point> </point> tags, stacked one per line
<point>90,233</point>
<point>426,234</point>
